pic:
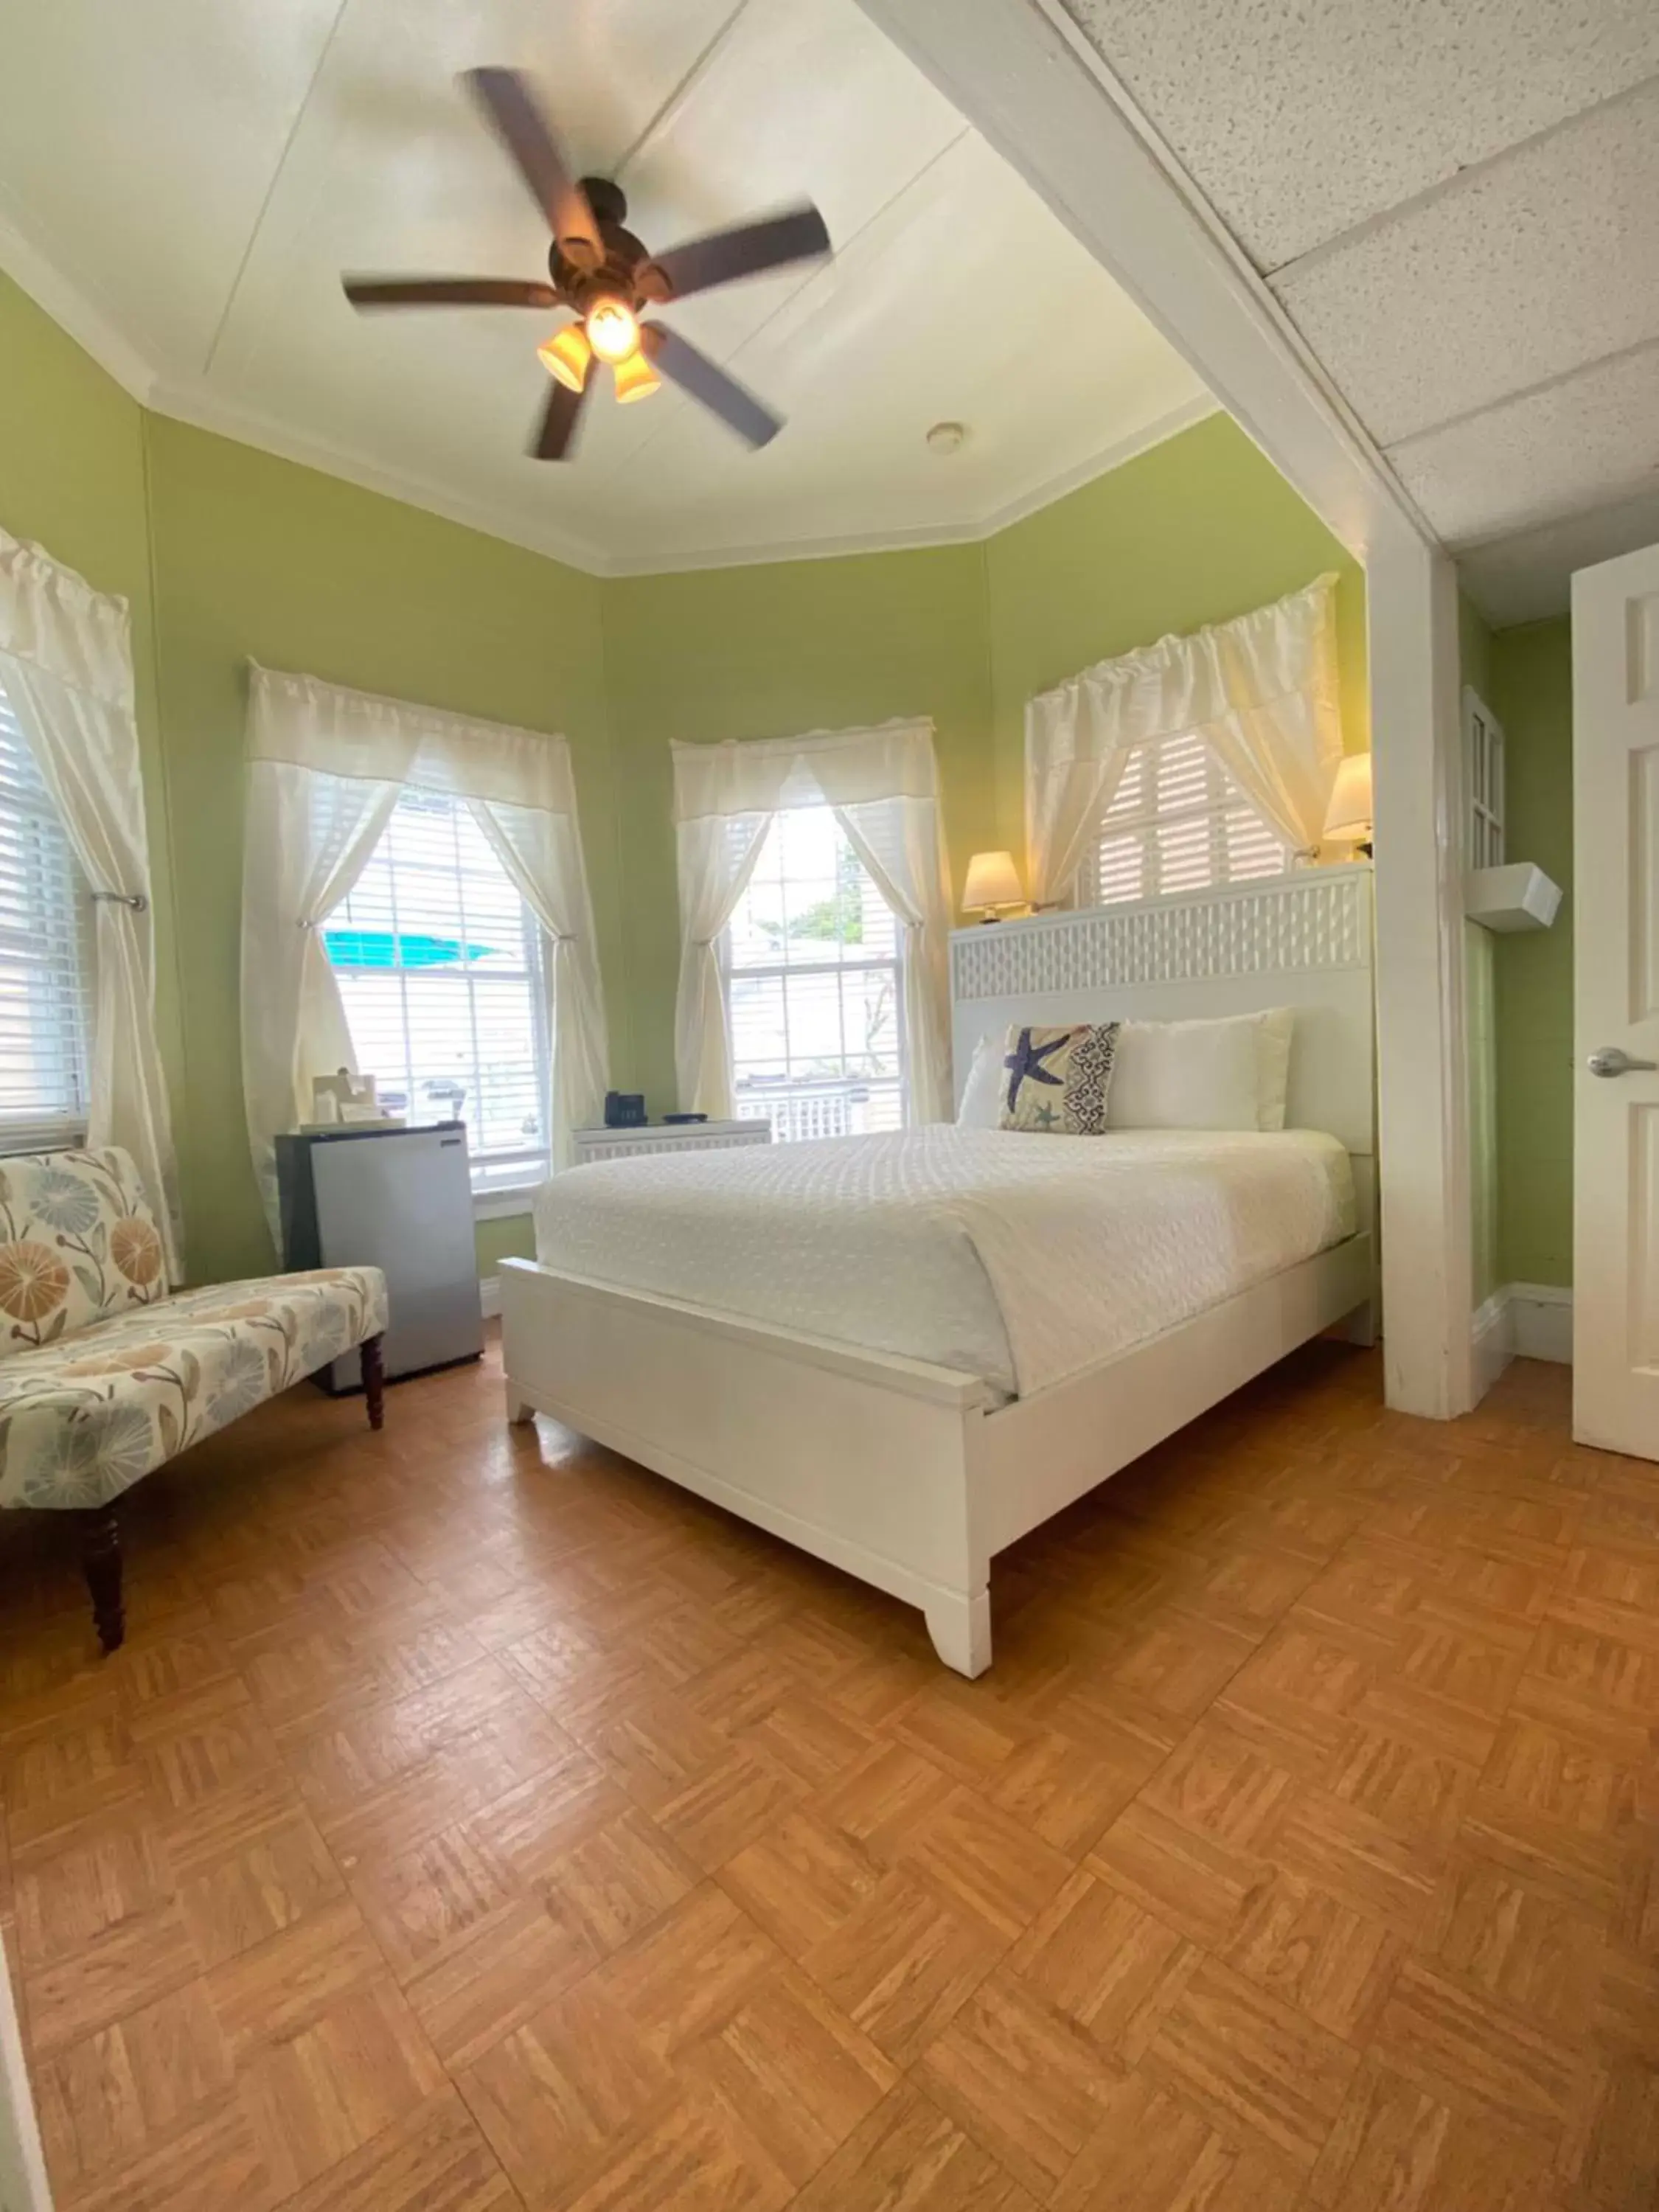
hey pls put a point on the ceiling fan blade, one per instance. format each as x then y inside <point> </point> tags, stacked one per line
<point>508,100</point>
<point>692,370</point>
<point>558,424</point>
<point>447,292</point>
<point>749,250</point>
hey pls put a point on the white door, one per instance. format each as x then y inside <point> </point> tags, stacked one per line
<point>1615,708</point>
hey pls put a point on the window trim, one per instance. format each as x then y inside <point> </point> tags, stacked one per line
<point>780,971</point>
<point>491,1199</point>
<point>1486,792</point>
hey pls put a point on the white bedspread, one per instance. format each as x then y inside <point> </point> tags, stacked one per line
<point>1020,1259</point>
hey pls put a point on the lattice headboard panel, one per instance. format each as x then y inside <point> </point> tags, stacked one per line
<point>1301,940</point>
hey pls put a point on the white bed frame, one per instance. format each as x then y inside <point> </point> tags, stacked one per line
<point>911,1476</point>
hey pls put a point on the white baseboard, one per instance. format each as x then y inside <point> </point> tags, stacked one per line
<point>1493,1341</point>
<point>1541,1321</point>
<point>489,1296</point>
<point>1521,1321</point>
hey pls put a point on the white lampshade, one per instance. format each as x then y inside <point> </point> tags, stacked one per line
<point>992,881</point>
<point>1348,816</point>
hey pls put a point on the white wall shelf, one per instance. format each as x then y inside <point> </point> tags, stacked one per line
<point>1516,896</point>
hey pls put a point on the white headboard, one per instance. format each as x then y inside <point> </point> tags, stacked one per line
<point>1301,940</point>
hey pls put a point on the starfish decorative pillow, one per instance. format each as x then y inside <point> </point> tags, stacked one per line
<point>1055,1081</point>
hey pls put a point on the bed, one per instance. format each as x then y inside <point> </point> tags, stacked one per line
<point>902,1353</point>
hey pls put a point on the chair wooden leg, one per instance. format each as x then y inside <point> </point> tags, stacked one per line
<point>374,1349</point>
<point>100,1556</point>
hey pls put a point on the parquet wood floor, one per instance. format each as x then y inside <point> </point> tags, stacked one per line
<point>473,1822</point>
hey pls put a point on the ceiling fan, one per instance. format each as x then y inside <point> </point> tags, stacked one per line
<point>605,274</point>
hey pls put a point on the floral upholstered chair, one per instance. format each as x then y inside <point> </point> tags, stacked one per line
<point>104,1373</point>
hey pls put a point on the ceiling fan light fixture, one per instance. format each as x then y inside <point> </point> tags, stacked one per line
<point>567,356</point>
<point>613,329</point>
<point>636,379</point>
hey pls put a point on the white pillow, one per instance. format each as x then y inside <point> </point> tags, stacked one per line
<point>982,1094</point>
<point>1232,1074</point>
<point>1274,1065</point>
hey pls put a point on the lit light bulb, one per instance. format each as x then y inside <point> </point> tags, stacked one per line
<point>636,379</point>
<point>613,332</point>
<point>566,355</point>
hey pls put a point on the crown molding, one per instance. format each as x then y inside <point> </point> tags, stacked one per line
<point>206,410</point>
<point>203,409</point>
<point>196,404</point>
<point>976,532</point>
<point>76,312</point>
<point>1170,424</point>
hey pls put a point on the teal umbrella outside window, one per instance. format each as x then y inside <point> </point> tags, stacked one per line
<point>388,948</point>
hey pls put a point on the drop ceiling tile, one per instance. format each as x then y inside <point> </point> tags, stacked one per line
<point>1298,122</point>
<point>1545,261</point>
<point>1590,440</point>
<point>1526,576</point>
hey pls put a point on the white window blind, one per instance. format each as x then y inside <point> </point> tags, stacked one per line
<point>45,960</point>
<point>439,964</point>
<point>812,962</point>
<point>1178,821</point>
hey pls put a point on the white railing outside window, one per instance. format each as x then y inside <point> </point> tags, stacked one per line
<point>1176,822</point>
<point>46,961</point>
<point>811,962</point>
<point>439,965</point>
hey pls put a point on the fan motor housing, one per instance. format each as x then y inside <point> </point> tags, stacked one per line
<point>624,254</point>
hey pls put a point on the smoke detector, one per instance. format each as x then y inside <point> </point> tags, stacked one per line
<point>947,438</point>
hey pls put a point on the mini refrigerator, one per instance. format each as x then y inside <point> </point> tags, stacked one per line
<point>401,1201</point>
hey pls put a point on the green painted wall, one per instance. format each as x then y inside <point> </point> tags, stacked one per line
<point>1532,695</point>
<point>258,558</point>
<point>1201,528</point>
<point>774,651</point>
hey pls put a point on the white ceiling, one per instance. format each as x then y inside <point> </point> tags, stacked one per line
<point>183,182</point>
<point>1457,204</point>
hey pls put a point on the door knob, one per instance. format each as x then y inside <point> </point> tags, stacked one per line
<point>1613,1059</point>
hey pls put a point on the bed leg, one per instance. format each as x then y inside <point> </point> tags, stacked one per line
<point>520,1411</point>
<point>100,1558</point>
<point>961,1630</point>
<point>372,1355</point>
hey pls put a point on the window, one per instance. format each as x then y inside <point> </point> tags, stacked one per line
<point>1483,746</point>
<point>45,960</point>
<point>811,961</point>
<point>1178,821</point>
<point>439,963</point>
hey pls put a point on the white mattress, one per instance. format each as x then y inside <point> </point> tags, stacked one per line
<point>1020,1259</point>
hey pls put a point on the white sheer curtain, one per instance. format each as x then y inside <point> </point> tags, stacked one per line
<point>326,766</point>
<point>1261,692</point>
<point>541,851</point>
<point>66,667</point>
<point>717,857</point>
<point>883,785</point>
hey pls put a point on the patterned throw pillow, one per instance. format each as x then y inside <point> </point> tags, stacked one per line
<point>1056,1080</point>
